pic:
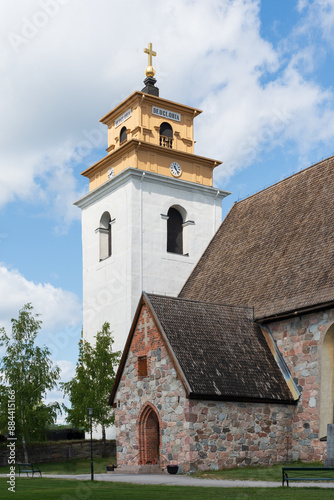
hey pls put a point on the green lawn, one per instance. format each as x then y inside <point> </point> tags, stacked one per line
<point>81,466</point>
<point>269,473</point>
<point>251,473</point>
<point>59,489</point>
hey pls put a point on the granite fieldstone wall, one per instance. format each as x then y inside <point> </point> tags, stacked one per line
<point>300,341</point>
<point>194,434</point>
<point>161,387</point>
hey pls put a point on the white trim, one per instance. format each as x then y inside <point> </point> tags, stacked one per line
<point>188,223</point>
<point>141,232</point>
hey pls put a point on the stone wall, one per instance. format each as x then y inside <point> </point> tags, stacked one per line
<point>60,451</point>
<point>226,434</point>
<point>194,434</point>
<point>300,341</point>
<point>161,387</point>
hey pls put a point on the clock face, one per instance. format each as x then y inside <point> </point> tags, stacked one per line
<point>110,173</point>
<point>175,169</point>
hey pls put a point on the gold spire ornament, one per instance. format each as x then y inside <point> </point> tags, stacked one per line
<point>150,71</point>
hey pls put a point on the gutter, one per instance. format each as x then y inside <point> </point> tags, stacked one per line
<point>297,312</point>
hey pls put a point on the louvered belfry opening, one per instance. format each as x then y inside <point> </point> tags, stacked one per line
<point>166,135</point>
<point>174,231</point>
<point>123,135</point>
<point>149,436</point>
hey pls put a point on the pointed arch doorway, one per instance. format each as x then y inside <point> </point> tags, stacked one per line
<point>149,435</point>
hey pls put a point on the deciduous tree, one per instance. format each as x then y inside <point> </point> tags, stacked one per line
<point>92,383</point>
<point>26,373</point>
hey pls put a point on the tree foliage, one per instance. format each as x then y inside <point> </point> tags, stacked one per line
<point>27,370</point>
<point>92,383</point>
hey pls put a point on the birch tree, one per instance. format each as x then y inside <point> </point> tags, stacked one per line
<point>26,373</point>
<point>92,383</point>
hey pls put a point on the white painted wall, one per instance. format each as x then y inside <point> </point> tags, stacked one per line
<point>138,202</point>
<point>139,260</point>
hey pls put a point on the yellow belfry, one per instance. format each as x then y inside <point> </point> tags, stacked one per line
<point>151,134</point>
<point>150,71</point>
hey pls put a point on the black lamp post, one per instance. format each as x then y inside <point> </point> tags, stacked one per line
<point>90,410</point>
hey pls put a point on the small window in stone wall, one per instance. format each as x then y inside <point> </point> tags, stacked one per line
<point>142,366</point>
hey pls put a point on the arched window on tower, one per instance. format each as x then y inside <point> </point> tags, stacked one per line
<point>174,231</point>
<point>123,135</point>
<point>166,135</point>
<point>105,236</point>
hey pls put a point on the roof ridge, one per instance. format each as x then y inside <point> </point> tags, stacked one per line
<point>198,301</point>
<point>283,180</point>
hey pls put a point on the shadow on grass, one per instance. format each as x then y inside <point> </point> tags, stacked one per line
<point>60,489</point>
<point>81,466</point>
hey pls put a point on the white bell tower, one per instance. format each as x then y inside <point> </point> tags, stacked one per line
<point>150,212</point>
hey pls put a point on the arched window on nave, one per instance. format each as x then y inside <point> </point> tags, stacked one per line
<point>327,382</point>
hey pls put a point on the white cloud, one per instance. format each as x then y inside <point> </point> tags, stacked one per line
<point>60,310</point>
<point>67,372</point>
<point>80,59</point>
<point>318,15</point>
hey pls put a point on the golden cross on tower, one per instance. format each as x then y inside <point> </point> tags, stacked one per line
<point>150,71</point>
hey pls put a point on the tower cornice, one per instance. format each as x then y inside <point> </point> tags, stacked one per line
<point>131,174</point>
<point>151,158</point>
<point>108,160</point>
<point>138,97</point>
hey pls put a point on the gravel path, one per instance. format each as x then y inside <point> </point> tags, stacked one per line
<point>183,480</point>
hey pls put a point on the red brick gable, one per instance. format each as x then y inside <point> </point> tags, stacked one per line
<point>146,338</point>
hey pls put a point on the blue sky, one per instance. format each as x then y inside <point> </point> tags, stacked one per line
<point>262,72</point>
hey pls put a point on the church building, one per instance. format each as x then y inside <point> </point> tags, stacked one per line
<point>228,331</point>
<point>238,367</point>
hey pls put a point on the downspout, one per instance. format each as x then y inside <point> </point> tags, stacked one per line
<point>141,233</point>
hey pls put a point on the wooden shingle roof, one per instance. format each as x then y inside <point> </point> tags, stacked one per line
<point>275,249</point>
<point>220,350</point>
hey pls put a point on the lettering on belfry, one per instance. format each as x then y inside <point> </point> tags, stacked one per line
<point>166,114</point>
<point>122,118</point>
